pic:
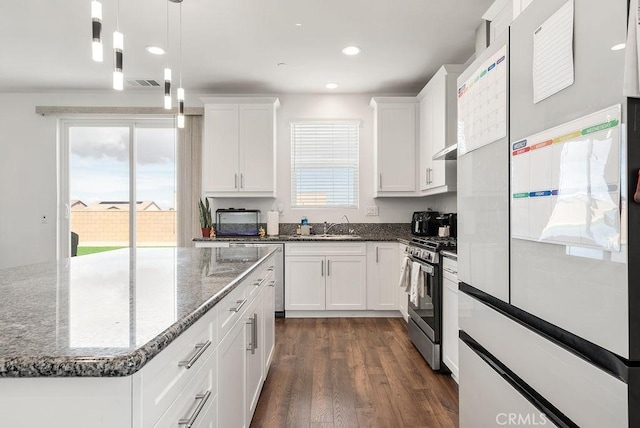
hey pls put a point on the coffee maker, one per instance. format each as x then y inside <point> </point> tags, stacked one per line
<point>448,221</point>
<point>424,223</point>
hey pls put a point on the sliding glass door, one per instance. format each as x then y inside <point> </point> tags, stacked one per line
<point>117,185</point>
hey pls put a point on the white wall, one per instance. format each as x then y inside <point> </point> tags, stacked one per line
<point>295,107</point>
<point>28,168</point>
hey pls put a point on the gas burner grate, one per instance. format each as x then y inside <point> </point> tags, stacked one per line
<point>435,242</point>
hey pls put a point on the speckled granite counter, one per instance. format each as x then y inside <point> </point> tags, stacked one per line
<point>108,314</point>
<point>379,232</point>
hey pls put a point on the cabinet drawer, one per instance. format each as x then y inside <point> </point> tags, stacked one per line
<point>232,306</point>
<point>261,278</point>
<point>450,269</point>
<point>196,401</point>
<point>325,249</point>
<point>170,371</point>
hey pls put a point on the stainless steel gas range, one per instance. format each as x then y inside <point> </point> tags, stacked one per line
<point>425,311</point>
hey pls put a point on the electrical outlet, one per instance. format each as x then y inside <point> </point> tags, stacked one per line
<point>372,211</point>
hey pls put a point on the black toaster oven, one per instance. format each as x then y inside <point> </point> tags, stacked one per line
<point>237,222</point>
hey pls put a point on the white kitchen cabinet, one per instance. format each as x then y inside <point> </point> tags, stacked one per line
<point>304,283</point>
<point>325,276</point>
<point>232,378</point>
<point>254,356</point>
<point>450,316</point>
<point>403,296</point>
<point>346,282</point>
<point>395,138</point>
<point>239,147</point>
<point>438,129</point>
<point>269,325</point>
<point>382,276</point>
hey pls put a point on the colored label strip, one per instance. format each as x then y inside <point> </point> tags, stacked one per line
<point>520,147</point>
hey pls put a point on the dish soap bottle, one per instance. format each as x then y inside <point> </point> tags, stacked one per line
<point>298,230</point>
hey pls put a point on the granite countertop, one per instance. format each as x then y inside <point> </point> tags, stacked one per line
<point>108,314</point>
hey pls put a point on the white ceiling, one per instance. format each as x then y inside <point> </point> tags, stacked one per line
<point>234,46</point>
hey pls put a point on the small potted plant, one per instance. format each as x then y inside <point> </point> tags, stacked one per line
<point>205,218</point>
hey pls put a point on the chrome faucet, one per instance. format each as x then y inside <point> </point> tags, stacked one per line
<point>328,227</point>
<point>349,230</point>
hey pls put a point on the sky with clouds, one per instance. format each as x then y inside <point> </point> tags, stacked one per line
<point>99,164</point>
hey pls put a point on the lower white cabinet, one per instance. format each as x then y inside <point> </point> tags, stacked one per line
<point>231,377</point>
<point>450,316</point>
<point>403,296</point>
<point>304,283</point>
<point>269,325</point>
<point>254,363</point>
<point>382,276</point>
<point>346,283</point>
<point>326,277</point>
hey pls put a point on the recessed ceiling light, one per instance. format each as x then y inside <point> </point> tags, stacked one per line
<point>156,50</point>
<point>282,64</point>
<point>298,24</point>
<point>618,47</point>
<point>351,50</point>
<point>331,85</point>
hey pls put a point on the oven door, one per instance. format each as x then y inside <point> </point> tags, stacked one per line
<point>426,314</point>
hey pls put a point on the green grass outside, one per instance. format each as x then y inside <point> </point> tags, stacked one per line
<point>83,251</point>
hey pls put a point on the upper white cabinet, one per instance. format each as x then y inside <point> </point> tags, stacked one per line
<point>382,276</point>
<point>395,132</point>
<point>239,147</point>
<point>438,129</point>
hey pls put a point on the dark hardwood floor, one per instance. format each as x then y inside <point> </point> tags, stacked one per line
<point>352,372</point>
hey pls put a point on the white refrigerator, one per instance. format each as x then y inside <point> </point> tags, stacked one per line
<point>548,235</point>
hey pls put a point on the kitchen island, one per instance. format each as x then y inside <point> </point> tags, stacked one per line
<point>123,338</point>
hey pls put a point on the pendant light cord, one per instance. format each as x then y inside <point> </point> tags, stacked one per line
<point>180,34</point>
<point>118,15</point>
<point>167,33</point>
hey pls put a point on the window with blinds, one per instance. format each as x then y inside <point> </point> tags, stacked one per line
<point>324,164</point>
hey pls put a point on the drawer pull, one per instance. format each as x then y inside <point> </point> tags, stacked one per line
<point>200,348</point>
<point>271,284</point>
<point>240,304</point>
<point>188,422</point>
<point>455,272</point>
<point>259,282</point>
<point>270,268</point>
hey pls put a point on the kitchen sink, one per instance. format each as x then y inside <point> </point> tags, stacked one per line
<point>323,237</point>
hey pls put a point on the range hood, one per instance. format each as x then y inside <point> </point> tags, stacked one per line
<point>448,153</point>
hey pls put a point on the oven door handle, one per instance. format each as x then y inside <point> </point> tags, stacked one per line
<point>424,267</point>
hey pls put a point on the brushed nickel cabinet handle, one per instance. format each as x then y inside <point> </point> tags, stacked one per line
<point>240,304</point>
<point>188,422</point>
<point>377,254</point>
<point>328,267</point>
<point>380,181</point>
<point>253,337</point>
<point>235,181</point>
<point>242,181</point>
<point>200,348</point>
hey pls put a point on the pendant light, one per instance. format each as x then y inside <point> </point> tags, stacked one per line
<point>96,30</point>
<point>180,88</point>
<point>118,47</point>
<point>167,72</point>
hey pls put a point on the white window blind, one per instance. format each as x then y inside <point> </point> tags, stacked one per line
<point>324,164</point>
